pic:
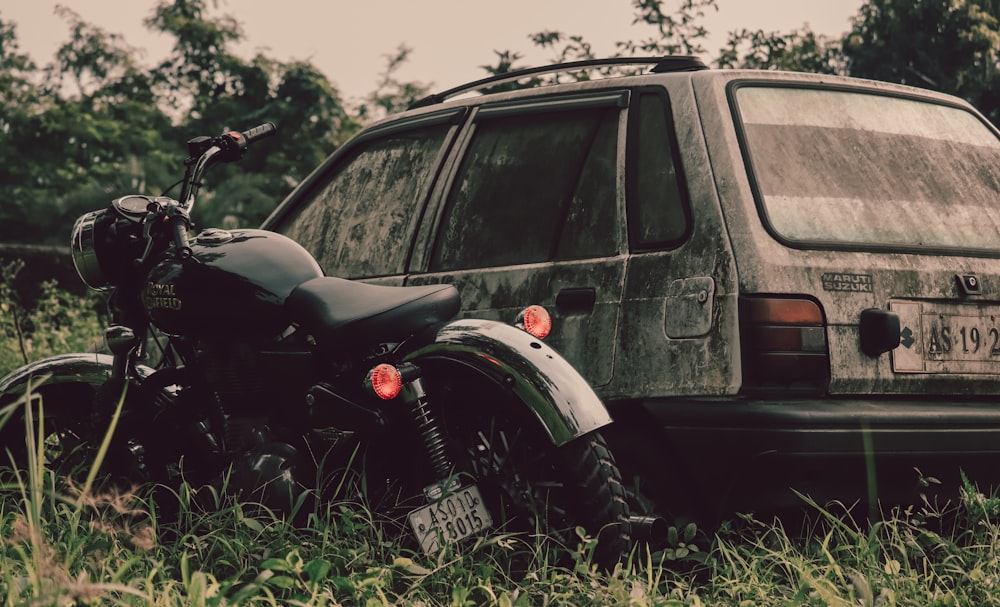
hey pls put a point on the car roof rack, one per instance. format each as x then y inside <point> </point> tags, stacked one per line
<point>669,63</point>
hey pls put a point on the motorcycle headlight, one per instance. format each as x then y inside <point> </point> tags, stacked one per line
<point>84,246</point>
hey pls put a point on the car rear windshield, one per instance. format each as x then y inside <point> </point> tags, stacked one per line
<point>846,168</point>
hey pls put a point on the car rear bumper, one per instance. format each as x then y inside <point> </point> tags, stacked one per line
<point>747,455</point>
<point>818,427</point>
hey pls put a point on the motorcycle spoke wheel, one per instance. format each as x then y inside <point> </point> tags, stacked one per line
<point>67,448</point>
<point>536,490</point>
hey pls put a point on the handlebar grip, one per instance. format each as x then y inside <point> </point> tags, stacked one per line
<point>260,132</point>
<point>179,225</point>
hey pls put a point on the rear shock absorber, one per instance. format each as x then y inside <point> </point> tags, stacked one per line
<point>389,381</point>
<point>430,432</point>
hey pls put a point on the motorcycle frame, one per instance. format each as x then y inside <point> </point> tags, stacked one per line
<point>553,391</point>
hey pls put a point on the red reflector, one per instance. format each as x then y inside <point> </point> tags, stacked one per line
<point>386,381</point>
<point>536,321</point>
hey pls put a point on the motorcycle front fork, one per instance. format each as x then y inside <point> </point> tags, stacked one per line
<point>415,397</point>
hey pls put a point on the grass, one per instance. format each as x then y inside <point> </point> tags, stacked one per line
<point>86,547</point>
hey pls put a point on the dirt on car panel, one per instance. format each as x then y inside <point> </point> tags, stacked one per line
<point>585,337</point>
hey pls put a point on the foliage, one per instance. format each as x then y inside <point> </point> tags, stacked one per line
<point>56,323</point>
<point>110,126</point>
<point>391,95</point>
<point>677,32</point>
<point>797,51</point>
<point>946,45</point>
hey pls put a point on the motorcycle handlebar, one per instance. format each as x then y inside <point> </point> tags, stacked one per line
<point>260,132</point>
<point>230,146</point>
<point>180,229</point>
<point>202,153</point>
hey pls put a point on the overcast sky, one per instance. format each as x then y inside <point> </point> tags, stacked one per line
<point>450,39</point>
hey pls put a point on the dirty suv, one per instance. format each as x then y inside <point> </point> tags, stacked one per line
<point>776,281</point>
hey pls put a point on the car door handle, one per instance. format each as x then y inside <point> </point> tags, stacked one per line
<point>576,299</point>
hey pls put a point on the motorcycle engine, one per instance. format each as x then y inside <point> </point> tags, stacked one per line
<point>265,473</point>
<point>236,377</point>
<point>266,468</point>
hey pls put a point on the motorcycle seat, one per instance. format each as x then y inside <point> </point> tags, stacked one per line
<point>335,310</point>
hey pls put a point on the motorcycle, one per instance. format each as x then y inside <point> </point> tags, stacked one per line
<point>230,355</point>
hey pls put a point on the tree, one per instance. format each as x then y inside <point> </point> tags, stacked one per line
<point>212,90</point>
<point>945,45</point>
<point>95,124</point>
<point>801,50</point>
<point>66,144</point>
<point>675,32</point>
<point>392,95</point>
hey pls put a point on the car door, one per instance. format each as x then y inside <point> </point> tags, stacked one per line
<point>532,213</point>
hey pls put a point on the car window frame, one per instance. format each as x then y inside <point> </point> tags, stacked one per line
<point>431,227</point>
<point>632,201</point>
<point>828,245</point>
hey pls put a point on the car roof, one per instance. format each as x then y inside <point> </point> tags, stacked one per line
<point>663,69</point>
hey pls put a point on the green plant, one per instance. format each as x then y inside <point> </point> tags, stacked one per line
<point>56,322</point>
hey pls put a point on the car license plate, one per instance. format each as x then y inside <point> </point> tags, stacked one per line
<point>947,338</point>
<point>454,517</point>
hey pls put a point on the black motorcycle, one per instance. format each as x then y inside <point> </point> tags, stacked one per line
<point>232,360</point>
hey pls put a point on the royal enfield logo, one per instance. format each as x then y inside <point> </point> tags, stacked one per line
<point>858,283</point>
<point>161,297</point>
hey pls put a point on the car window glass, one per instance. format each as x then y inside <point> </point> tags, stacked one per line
<point>361,221</point>
<point>842,167</point>
<point>656,201</point>
<point>532,188</point>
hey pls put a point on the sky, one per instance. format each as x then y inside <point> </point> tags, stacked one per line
<point>449,39</point>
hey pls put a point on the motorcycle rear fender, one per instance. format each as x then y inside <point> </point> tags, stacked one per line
<point>558,396</point>
<point>83,368</point>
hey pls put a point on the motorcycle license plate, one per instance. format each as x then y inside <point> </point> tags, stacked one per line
<point>945,338</point>
<point>454,517</point>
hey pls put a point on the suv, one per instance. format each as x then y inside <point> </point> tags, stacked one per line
<point>774,280</point>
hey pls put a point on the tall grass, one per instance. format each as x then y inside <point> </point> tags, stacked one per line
<point>77,547</point>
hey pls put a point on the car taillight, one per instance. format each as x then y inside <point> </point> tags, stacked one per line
<point>784,344</point>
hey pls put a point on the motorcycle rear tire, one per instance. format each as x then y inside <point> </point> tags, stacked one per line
<point>531,486</point>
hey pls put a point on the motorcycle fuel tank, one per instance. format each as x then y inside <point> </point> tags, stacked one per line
<point>234,283</point>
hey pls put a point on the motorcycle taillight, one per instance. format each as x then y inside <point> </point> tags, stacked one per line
<point>535,320</point>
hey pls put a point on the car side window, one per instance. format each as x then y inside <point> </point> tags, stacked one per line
<point>532,187</point>
<point>360,221</point>
<point>657,199</point>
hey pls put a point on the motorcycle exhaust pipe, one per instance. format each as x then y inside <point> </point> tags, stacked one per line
<point>649,529</point>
